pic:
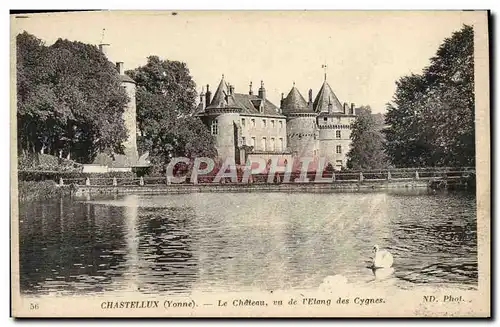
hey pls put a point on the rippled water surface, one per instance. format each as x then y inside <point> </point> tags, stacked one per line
<point>244,241</point>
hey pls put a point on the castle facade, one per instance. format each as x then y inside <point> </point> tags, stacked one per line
<point>247,126</point>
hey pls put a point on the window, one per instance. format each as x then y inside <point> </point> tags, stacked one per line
<point>264,123</point>
<point>273,147</point>
<point>253,122</point>
<point>339,162</point>
<point>281,124</point>
<point>339,148</point>
<point>325,119</point>
<point>243,140</point>
<point>253,142</point>
<point>282,146</point>
<point>272,123</point>
<point>337,134</point>
<point>315,153</point>
<point>264,140</point>
<point>243,122</point>
<point>215,127</point>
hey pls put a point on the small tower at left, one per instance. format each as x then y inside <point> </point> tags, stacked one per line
<point>130,112</point>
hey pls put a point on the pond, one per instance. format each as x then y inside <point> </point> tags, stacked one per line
<point>244,241</point>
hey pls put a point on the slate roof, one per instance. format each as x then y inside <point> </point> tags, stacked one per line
<point>126,79</point>
<point>248,104</point>
<point>295,102</point>
<point>324,98</point>
<point>251,103</point>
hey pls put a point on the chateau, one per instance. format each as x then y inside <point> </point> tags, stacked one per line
<point>246,126</point>
<point>249,126</point>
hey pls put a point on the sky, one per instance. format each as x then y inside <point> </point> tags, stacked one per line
<point>365,52</point>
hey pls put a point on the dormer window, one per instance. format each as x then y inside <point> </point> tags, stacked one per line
<point>264,123</point>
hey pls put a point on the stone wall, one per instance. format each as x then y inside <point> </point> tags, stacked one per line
<point>329,127</point>
<point>301,135</point>
<point>271,130</point>
<point>130,120</point>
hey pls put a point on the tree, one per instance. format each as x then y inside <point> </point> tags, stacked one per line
<point>69,99</point>
<point>165,102</point>
<point>367,149</point>
<point>407,143</point>
<point>431,119</point>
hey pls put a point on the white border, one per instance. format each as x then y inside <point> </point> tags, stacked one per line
<point>214,4</point>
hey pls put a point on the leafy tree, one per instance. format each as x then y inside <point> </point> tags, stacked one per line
<point>69,99</point>
<point>367,150</point>
<point>165,102</point>
<point>406,143</point>
<point>431,119</point>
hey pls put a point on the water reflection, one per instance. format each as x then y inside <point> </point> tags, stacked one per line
<point>244,241</point>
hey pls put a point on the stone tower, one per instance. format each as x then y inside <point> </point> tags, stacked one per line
<point>300,124</point>
<point>224,116</point>
<point>334,122</point>
<point>129,114</point>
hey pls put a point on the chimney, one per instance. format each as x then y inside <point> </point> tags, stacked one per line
<point>310,95</point>
<point>282,100</point>
<point>231,89</point>
<point>103,47</point>
<point>203,99</point>
<point>119,68</point>
<point>208,95</point>
<point>250,92</point>
<point>352,109</point>
<point>346,108</point>
<point>262,91</point>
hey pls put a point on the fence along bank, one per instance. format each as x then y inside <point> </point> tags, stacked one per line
<point>434,178</point>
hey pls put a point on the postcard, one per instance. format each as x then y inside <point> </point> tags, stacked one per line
<point>250,164</point>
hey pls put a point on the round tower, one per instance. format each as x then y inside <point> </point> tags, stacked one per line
<point>334,123</point>
<point>129,115</point>
<point>222,117</point>
<point>300,125</point>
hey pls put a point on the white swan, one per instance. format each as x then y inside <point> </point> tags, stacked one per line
<point>382,258</point>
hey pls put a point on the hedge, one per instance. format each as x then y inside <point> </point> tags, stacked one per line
<point>71,177</point>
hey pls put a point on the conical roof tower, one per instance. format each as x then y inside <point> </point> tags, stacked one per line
<point>326,98</point>
<point>295,103</point>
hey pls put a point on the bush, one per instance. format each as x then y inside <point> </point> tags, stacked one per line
<point>46,162</point>
<point>29,191</point>
<point>73,177</point>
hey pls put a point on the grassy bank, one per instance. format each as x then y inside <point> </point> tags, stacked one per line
<point>42,190</point>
